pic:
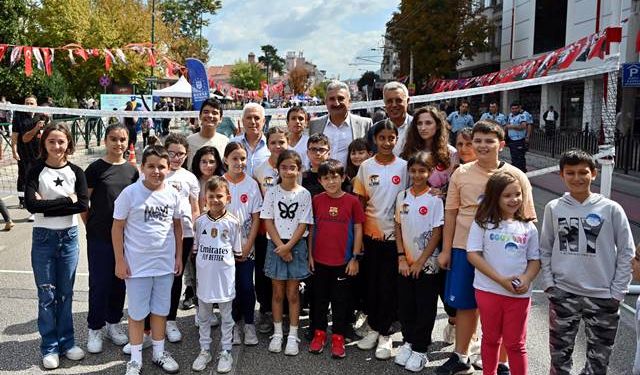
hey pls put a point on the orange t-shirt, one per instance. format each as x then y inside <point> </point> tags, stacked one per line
<point>466,190</point>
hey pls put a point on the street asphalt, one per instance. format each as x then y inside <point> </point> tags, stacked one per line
<point>19,340</point>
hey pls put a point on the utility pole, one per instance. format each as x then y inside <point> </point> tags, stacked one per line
<point>411,68</point>
<point>153,42</point>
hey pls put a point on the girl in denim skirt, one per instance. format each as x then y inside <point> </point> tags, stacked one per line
<point>287,211</point>
<point>56,191</point>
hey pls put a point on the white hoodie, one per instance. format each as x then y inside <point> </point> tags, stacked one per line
<point>586,248</point>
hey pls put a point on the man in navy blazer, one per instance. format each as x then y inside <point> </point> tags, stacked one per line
<point>340,126</point>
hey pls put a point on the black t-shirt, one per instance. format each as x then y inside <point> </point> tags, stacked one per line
<point>107,181</point>
<point>22,123</point>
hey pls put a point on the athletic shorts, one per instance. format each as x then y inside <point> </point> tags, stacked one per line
<point>459,292</point>
<point>149,295</point>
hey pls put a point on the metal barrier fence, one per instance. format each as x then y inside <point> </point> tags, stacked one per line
<point>553,144</point>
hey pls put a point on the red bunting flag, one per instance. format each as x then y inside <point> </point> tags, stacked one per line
<point>108,59</point>
<point>28,68</point>
<point>3,50</point>
<point>47,54</point>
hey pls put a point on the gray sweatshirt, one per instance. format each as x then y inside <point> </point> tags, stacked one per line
<point>586,248</point>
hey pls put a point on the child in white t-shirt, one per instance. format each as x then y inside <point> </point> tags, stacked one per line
<point>245,205</point>
<point>419,220</point>
<point>217,246</point>
<point>503,247</point>
<point>287,211</point>
<point>147,241</point>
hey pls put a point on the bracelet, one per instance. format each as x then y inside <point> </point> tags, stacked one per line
<point>401,254</point>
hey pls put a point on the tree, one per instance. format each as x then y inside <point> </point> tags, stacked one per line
<point>16,15</point>
<point>189,14</point>
<point>271,60</point>
<point>368,79</point>
<point>299,80</point>
<point>319,90</point>
<point>246,76</point>
<point>438,37</point>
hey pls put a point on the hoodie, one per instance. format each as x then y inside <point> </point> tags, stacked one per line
<point>586,248</point>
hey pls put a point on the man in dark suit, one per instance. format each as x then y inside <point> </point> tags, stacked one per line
<point>340,126</point>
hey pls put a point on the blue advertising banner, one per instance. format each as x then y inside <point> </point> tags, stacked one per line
<point>199,82</point>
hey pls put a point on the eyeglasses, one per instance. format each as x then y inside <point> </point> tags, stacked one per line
<point>178,155</point>
<point>319,150</point>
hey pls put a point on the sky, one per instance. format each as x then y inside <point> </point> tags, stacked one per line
<point>331,33</point>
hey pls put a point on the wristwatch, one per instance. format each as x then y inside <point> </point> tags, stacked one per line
<point>357,256</point>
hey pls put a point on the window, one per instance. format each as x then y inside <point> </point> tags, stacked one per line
<point>550,25</point>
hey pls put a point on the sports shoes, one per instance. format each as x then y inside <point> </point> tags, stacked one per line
<point>8,225</point>
<point>94,341</point>
<point>474,353</point>
<point>146,343</point>
<point>237,337</point>
<point>337,346</point>
<point>133,368</point>
<point>250,337</point>
<point>417,361</point>
<point>361,325</point>
<point>265,324</point>
<point>31,218</point>
<point>75,353</point>
<point>173,333</point>
<point>318,341</point>
<point>383,350</point>
<point>202,360</point>
<point>404,352</point>
<point>292,345</point>
<point>503,369</point>
<point>225,362</point>
<point>166,362</point>
<point>275,345</point>
<point>188,303</point>
<point>117,334</point>
<point>51,361</point>
<point>449,334</point>
<point>455,366</point>
<point>369,341</point>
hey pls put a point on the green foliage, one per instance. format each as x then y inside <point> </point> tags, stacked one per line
<point>319,90</point>
<point>271,60</point>
<point>188,15</point>
<point>246,76</point>
<point>13,31</point>
<point>438,36</point>
<point>368,78</point>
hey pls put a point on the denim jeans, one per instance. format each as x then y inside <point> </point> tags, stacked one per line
<point>244,304</point>
<point>106,290</point>
<point>54,258</point>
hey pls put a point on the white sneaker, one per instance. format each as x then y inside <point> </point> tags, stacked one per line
<point>369,341</point>
<point>133,368</point>
<point>202,360</point>
<point>416,362</point>
<point>94,341</point>
<point>117,334</point>
<point>292,345</point>
<point>250,337</point>
<point>173,333</point>
<point>404,352</point>
<point>449,334</point>
<point>75,353</point>
<point>237,338</point>
<point>275,346</point>
<point>146,343</point>
<point>166,362</point>
<point>31,218</point>
<point>383,350</point>
<point>51,361</point>
<point>474,353</point>
<point>362,327</point>
<point>225,362</point>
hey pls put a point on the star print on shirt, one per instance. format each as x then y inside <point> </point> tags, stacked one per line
<point>58,181</point>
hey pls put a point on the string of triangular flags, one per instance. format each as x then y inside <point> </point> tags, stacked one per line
<point>44,56</point>
<point>587,48</point>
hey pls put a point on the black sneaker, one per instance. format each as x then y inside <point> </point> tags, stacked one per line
<point>455,366</point>
<point>188,303</point>
<point>503,369</point>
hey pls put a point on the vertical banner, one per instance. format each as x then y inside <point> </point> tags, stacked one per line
<point>199,82</point>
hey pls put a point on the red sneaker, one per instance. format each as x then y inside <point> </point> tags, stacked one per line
<point>317,344</point>
<point>337,346</point>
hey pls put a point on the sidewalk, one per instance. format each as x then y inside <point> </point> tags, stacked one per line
<point>625,188</point>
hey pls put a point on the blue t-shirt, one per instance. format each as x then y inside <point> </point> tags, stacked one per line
<point>498,117</point>
<point>516,135</point>
<point>459,121</point>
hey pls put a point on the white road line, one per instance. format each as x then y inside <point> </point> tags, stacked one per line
<point>20,272</point>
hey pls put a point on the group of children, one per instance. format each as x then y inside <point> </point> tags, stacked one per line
<point>397,243</point>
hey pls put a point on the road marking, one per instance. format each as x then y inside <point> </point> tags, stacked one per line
<point>622,304</point>
<point>19,272</point>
